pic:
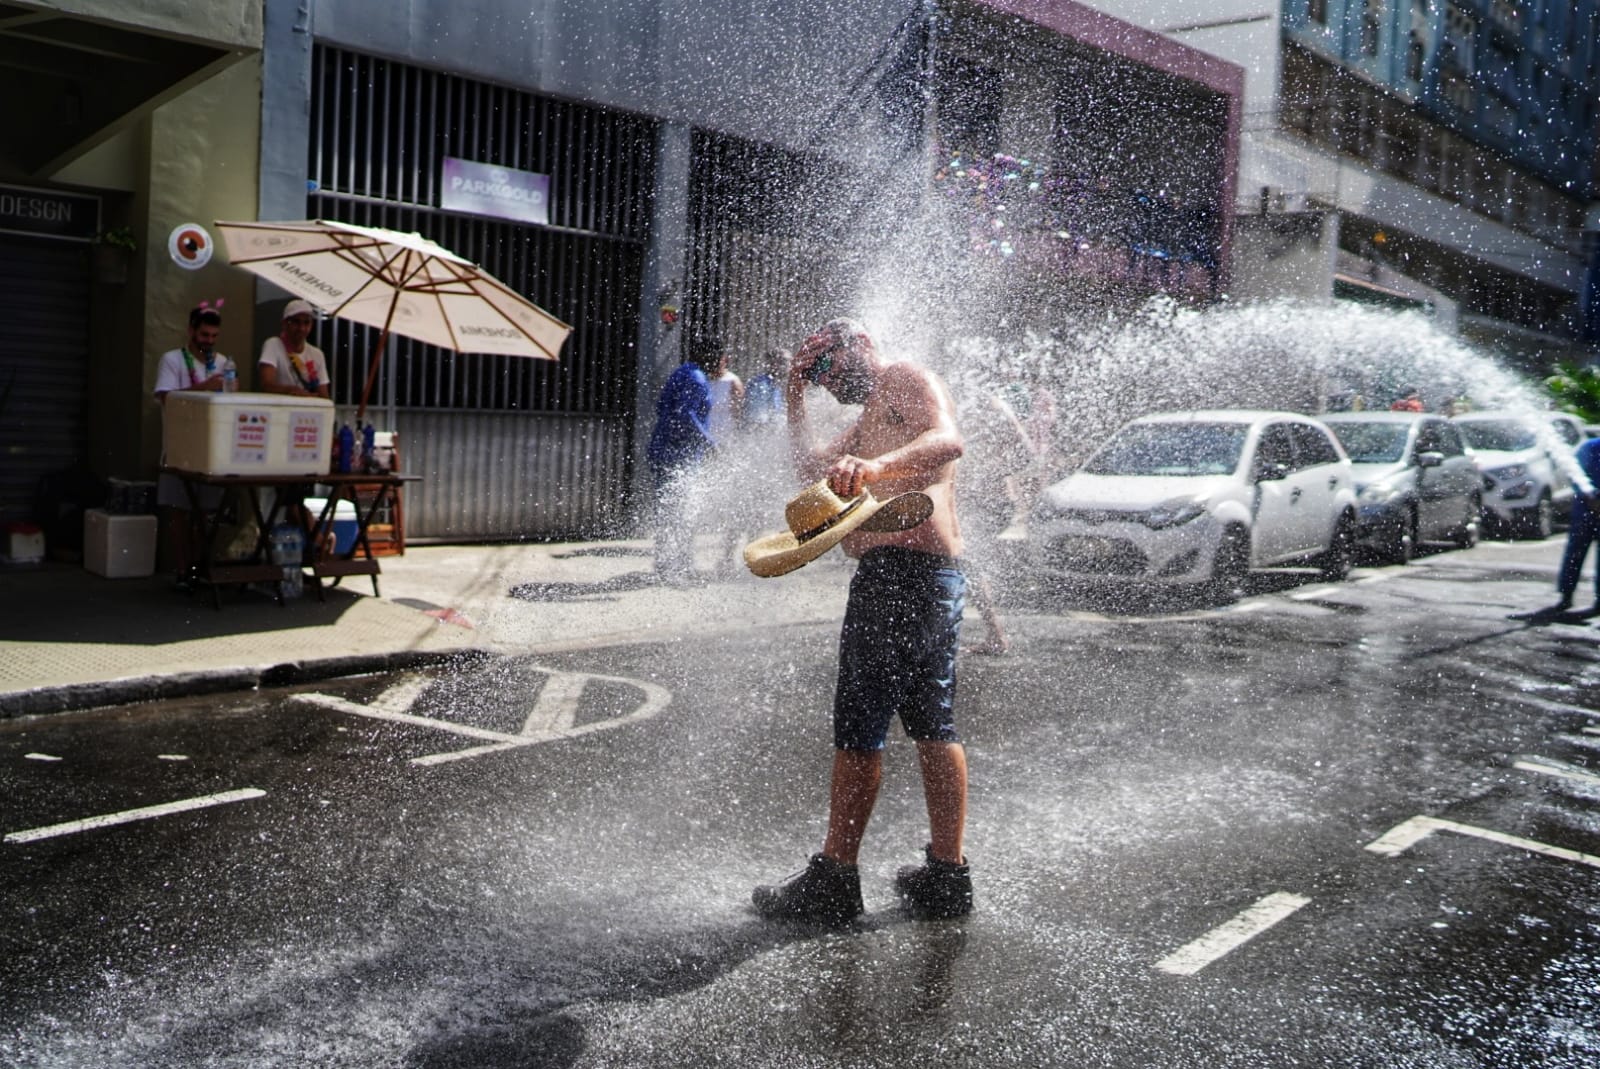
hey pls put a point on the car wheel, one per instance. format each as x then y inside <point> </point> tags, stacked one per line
<point>1230,567</point>
<point>1466,536</point>
<point>1540,521</point>
<point>1336,563</point>
<point>1402,544</point>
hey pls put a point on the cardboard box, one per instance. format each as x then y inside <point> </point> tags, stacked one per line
<point>119,547</point>
<point>247,433</point>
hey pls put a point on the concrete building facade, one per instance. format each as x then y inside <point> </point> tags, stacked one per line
<point>1438,153</point>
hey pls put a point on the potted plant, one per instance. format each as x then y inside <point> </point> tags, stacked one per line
<point>113,251</point>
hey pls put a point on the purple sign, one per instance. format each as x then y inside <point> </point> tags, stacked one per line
<point>488,189</point>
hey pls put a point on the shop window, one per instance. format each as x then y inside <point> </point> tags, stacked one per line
<point>1371,26</point>
<point>971,99</point>
<point>1317,11</point>
<point>1416,53</point>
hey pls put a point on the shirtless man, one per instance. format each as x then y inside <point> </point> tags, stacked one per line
<point>897,648</point>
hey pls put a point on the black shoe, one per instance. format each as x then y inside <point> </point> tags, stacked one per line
<point>826,891</point>
<point>936,888</point>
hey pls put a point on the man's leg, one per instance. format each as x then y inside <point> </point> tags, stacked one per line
<point>944,786</point>
<point>857,774</point>
<point>1580,533</point>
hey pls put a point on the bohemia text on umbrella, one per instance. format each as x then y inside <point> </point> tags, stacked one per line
<point>395,282</point>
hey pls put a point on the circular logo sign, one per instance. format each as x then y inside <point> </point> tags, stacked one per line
<point>189,246</point>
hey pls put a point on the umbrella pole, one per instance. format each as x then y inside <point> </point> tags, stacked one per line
<point>372,372</point>
<point>377,351</point>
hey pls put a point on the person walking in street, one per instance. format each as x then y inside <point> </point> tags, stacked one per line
<point>898,643</point>
<point>1582,529</point>
<point>680,443</point>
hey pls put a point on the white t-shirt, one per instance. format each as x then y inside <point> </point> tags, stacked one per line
<point>174,371</point>
<point>274,355</point>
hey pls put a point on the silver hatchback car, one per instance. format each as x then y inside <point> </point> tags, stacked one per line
<point>1415,480</point>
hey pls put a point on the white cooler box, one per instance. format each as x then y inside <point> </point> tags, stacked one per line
<point>247,433</point>
<point>119,547</point>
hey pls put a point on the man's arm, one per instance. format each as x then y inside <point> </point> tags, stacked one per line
<point>810,462</point>
<point>927,408</point>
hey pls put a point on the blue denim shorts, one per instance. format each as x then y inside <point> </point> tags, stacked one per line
<point>897,650</point>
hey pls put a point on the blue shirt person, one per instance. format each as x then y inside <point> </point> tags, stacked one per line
<point>681,440</point>
<point>1584,527</point>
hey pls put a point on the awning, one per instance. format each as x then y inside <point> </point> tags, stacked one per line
<point>83,78</point>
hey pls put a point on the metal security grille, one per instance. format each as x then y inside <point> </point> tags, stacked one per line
<point>764,246</point>
<point>44,345</point>
<point>381,131</point>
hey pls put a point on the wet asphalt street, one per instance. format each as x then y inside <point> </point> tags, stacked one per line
<point>1352,825</point>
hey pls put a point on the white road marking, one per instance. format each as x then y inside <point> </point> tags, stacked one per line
<point>1192,957</point>
<point>551,717</point>
<point>128,816</point>
<point>1401,837</point>
<point>1377,577</point>
<point>1247,606</point>
<point>1546,704</point>
<point>1591,731</point>
<point>41,757</point>
<point>1314,592</point>
<point>1547,767</point>
<point>172,757</point>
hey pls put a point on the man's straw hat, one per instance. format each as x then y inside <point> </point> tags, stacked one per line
<point>819,520</point>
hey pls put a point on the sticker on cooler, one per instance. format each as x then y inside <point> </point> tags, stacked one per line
<point>305,437</point>
<point>250,437</point>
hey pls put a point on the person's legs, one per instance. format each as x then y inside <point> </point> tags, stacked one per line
<point>1580,533</point>
<point>857,775</point>
<point>944,787</point>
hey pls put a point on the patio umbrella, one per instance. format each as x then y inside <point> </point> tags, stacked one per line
<point>396,282</point>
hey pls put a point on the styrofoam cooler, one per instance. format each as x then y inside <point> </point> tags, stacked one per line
<point>119,547</point>
<point>247,433</point>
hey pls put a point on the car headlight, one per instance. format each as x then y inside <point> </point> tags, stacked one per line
<point>1510,471</point>
<point>1044,510</point>
<point>1379,494</point>
<point>1172,514</point>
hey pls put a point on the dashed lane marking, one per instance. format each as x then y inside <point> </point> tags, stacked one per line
<point>1192,957</point>
<point>1402,837</point>
<point>128,816</point>
<point>1313,592</point>
<point>1546,767</point>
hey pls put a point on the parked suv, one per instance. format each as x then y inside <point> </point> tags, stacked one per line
<point>1415,481</point>
<point>1525,461</point>
<point>1198,499</point>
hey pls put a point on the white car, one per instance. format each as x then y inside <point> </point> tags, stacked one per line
<point>1198,499</point>
<point>1527,464</point>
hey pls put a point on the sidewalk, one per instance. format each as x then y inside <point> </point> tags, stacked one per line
<point>71,640</point>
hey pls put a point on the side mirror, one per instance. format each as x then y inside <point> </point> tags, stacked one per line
<point>1430,459</point>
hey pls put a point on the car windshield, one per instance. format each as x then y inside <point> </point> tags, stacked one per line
<point>1500,435</point>
<point>1372,443</point>
<point>1171,449</point>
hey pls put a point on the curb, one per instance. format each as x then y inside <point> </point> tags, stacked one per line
<point>78,696</point>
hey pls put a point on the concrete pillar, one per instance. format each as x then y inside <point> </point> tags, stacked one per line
<point>664,278</point>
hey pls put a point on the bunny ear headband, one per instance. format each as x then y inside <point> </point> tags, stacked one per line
<point>209,306</point>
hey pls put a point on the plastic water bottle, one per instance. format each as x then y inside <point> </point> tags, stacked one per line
<point>286,547</point>
<point>369,457</point>
<point>347,448</point>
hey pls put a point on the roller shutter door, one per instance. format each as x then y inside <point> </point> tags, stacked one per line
<point>44,360</point>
